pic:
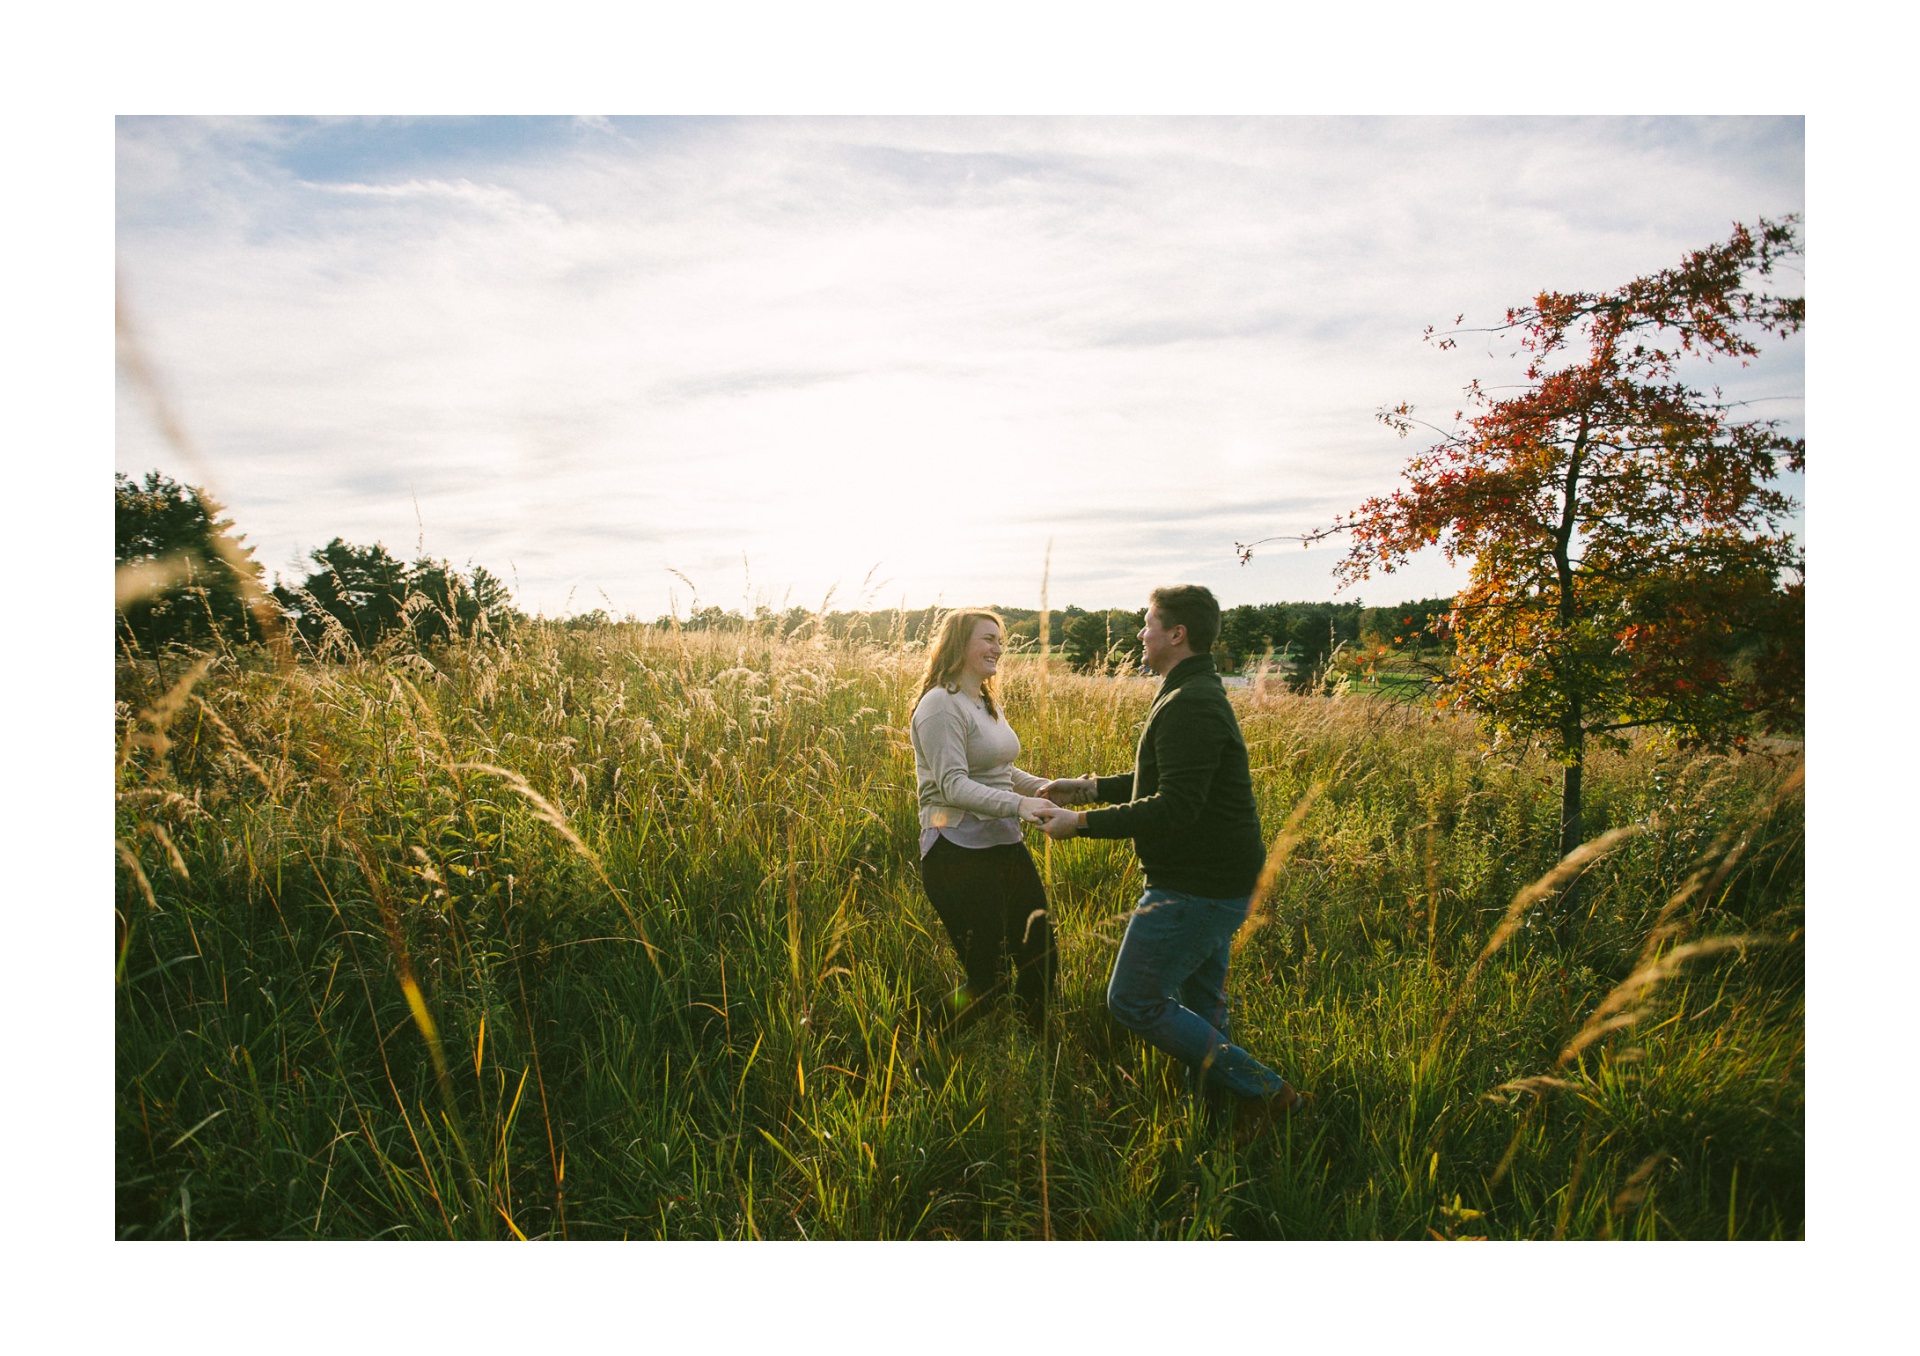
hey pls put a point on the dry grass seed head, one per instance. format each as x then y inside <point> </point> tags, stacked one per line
<point>1284,843</point>
<point>545,811</point>
<point>162,714</point>
<point>139,580</point>
<point>1565,871</point>
<point>1635,1188</point>
<point>1609,1016</point>
<point>233,746</point>
<point>158,832</point>
<point>264,610</point>
<point>132,860</point>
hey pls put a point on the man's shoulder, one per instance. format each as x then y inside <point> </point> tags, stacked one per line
<point>1197,704</point>
<point>1202,690</point>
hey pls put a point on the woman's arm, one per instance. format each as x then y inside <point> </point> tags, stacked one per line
<point>1027,784</point>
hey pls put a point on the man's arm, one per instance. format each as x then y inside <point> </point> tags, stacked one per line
<point>1067,791</point>
<point>1087,788</point>
<point>1187,743</point>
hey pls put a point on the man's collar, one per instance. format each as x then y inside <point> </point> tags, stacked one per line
<point>1187,668</point>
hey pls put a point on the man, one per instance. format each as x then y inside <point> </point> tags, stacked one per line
<point>1188,806</point>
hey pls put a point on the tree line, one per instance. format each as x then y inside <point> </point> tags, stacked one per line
<point>185,576</point>
<point>179,547</point>
<point>1297,637</point>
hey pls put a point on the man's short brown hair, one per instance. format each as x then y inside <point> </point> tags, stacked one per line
<point>1192,606</point>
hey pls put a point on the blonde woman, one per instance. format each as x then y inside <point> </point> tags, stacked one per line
<point>973,860</point>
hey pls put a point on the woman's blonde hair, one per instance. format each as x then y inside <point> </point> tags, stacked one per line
<point>948,654</point>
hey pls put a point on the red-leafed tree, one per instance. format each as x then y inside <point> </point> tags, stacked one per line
<point>1631,564</point>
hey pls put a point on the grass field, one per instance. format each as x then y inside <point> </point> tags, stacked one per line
<point>617,933</point>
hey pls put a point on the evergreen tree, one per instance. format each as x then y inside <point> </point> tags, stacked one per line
<point>174,551</point>
<point>364,595</point>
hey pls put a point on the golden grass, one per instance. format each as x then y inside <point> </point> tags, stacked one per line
<point>1564,872</point>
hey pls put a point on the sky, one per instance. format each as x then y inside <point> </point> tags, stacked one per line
<point>644,364</point>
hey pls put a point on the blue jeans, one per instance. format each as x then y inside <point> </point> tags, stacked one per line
<point>1169,985</point>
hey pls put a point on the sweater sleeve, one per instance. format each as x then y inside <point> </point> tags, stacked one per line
<point>1026,784</point>
<point>1187,744</point>
<point>940,743</point>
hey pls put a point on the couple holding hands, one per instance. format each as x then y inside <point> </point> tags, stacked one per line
<point>1187,805</point>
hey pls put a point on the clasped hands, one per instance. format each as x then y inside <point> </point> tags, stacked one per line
<point>1048,809</point>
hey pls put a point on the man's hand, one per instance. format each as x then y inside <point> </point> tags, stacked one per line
<point>1069,790</point>
<point>1059,822</point>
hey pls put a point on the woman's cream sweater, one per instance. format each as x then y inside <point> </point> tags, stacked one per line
<point>969,788</point>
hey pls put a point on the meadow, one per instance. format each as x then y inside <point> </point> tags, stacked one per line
<point>616,932</point>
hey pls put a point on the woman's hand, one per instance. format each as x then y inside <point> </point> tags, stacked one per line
<point>1033,810</point>
<point>1069,790</point>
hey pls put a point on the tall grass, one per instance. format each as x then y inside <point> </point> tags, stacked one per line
<point>617,933</point>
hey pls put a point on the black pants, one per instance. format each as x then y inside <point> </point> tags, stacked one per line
<point>995,910</point>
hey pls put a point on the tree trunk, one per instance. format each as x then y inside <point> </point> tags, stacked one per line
<point>1564,908</point>
<point>1573,735</point>
<point>1570,825</point>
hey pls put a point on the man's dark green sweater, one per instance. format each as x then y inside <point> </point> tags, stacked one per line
<point>1188,803</point>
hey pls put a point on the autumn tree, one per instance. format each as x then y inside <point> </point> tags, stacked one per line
<point>1631,563</point>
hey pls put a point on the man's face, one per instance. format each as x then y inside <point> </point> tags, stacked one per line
<point>1158,643</point>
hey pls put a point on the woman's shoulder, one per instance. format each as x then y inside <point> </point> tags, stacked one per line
<point>938,700</point>
<point>947,703</point>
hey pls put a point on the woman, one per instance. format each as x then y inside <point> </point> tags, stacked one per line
<point>973,861</point>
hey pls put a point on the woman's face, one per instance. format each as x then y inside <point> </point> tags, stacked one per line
<point>983,651</point>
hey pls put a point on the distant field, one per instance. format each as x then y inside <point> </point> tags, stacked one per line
<point>1393,682</point>
<point>617,933</point>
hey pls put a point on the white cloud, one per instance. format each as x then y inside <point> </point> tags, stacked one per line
<point>464,192</point>
<point>830,343</point>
